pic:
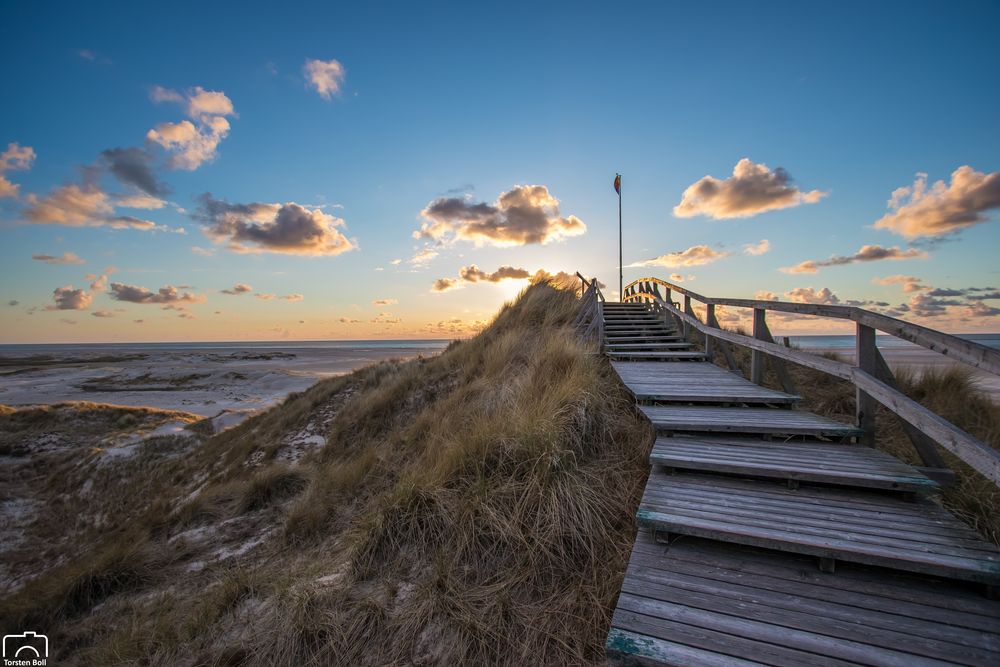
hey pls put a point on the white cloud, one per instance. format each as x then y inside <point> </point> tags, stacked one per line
<point>867,253</point>
<point>758,248</point>
<point>192,145</point>
<point>325,76</point>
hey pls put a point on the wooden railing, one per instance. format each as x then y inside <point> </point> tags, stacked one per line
<point>590,321</point>
<point>871,376</point>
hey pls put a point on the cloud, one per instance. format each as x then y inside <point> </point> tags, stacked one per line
<point>752,189</point>
<point>81,206</point>
<point>271,297</point>
<point>203,252</point>
<point>810,295</point>
<point>102,313</point>
<point>764,295</point>
<point>15,158</point>
<point>980,309</point>
<point>66,320</point>
<point>758,248</point>
<point>923,305</point>
<point>165,295</point>
<point>70,298</point>
<point>423,256</point>
<point>13,302</point>
<point>523,215</point>
<point>384,302</point>
<point>867,253</point>
<point>396,262</point>
<point>693,256</point>
<point>238,288</point>
<point>454,326</point>
<point>445,284</point>
<point>473,274</point>
<point>141,200</point>
<point>348,320</point>
<point>909,283</point>
<point>65,258</point>
<point>279,228</point>
<point>190,145</point>
<point>134,167</point>
<point>386,318</point>
<point>325,76</point>
<point>943,208</point>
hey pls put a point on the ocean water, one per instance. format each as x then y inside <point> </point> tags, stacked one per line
<point>847,342</point>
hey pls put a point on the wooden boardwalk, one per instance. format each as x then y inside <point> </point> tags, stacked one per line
<point>767,535</point>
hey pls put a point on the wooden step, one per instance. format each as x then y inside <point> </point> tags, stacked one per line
<point>664,356</point>
<point>830,523</point>
<point>708,603</point>
<point>694,383</point>
<point>710,419</point>
<point>666,345</point>
<point>628,337</point>
<point>844,465</point>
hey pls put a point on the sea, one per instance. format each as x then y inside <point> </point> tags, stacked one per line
<point>845,342</point>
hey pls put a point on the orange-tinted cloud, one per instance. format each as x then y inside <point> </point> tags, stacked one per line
<point>524,215</point>
<point>943,208</point>
<point>189,144</point>
<point>867,253</point>
<point>693,256</point>
<point>16,157</point>
<point>752,189</point>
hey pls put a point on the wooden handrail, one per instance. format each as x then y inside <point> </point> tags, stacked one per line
<point>870,376</point>
<point>966,351</point>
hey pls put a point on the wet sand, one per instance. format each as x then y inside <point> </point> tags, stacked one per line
<point>918,359</point>
<point>205,381</point>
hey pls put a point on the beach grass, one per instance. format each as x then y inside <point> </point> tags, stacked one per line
<point>474,507</point>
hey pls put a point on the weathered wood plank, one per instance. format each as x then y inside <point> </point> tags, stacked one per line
<point>811,462</point>
<point>744,420</point>
<point>730,516</point>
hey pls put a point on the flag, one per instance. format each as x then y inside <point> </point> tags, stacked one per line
<point>618,184</point>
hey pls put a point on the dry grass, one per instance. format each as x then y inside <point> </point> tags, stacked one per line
<point>472,508</point>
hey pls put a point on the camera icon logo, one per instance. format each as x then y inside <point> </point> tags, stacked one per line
<point>26,646</point>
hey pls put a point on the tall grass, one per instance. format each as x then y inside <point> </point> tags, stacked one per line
<point>471,508</point>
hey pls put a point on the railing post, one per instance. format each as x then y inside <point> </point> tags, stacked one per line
<point>709,340</point>
<point>757,357</point>
<point>687,311</point>
<point>865,404</point>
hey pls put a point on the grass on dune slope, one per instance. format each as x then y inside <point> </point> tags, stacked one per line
<point>475,507</point>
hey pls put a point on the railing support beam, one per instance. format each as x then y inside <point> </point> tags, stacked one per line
<point>865,405</point>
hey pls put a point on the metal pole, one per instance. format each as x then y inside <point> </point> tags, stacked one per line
<point>620,274</point>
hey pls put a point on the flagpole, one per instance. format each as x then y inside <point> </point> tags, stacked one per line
<point>620,274</point>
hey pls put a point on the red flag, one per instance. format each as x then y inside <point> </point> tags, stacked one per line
<point>618,183</point>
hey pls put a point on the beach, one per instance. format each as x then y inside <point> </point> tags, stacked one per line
<point>225,381</point>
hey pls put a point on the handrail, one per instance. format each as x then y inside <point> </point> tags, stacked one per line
<point>590,320</point>
<point>966,351</point>
<point>871,376</point>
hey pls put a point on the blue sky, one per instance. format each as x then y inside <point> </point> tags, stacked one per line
<point>465,103</point>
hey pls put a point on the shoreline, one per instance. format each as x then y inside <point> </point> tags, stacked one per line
<point>920,360</point>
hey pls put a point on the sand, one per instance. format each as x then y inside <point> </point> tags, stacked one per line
<point>227,384</point>
<point>920,359</point>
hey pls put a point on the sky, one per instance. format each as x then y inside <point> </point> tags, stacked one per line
<point>224,171</point>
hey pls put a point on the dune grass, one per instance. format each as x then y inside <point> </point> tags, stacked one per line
<point>471,508</point>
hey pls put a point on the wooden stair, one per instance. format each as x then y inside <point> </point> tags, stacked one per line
<point>820,462</point>
<point>763,542</point>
